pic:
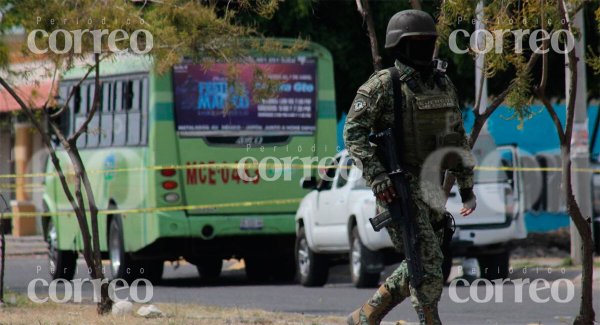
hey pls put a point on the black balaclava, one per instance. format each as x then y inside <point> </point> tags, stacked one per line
<point>416,53</point>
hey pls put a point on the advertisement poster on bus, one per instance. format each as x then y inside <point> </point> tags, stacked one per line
<point>202,93</point>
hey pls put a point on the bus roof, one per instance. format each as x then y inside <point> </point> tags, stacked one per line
<point>119,64</point>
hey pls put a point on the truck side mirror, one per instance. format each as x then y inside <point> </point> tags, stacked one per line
<point>309,183</point>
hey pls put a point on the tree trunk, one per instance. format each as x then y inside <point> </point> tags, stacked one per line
<point>586,308</point>
<point>582,223</point>
<point>91,243</point>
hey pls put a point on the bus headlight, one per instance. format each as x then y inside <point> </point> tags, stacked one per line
<point>171,197</point>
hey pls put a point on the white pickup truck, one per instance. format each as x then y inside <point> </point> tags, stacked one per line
<point>332,222</point>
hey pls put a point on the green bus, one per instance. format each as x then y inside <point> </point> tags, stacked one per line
<point>162,158</point>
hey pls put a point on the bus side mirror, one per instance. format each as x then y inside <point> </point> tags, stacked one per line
<point>309,183</point>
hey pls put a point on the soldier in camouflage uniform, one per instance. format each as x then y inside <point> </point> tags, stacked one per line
<point>431,122</point>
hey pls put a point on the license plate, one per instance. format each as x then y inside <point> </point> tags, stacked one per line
<point>251,224</point>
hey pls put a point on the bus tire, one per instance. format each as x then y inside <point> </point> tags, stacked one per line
<point>360,257</point>
<point>62,264</point>
<point>313,268</point>
<point>122,265</point>
<point>209,269</point>
<point>494,266</point>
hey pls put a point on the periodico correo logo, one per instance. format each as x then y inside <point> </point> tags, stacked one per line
<point>483,41</point>
<point>539,290</point>
<point>63,291</point>
<point>61,41</point>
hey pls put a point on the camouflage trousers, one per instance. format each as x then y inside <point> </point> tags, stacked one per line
<point>429,202</point>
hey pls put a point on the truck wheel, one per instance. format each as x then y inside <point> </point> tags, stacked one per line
<point>61,264</point>
<point>494,266</point>
<point>313,268</point>
<point>360,257</point>
<point>209,269</point>
<point>121,263</point>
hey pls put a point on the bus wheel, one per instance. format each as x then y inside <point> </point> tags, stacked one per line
<point>313,268</point>
<point>121,263</point>
<point>62,264</point>
<point>209,268</point>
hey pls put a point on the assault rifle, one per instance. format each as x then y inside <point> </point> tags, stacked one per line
<point>401,210</point>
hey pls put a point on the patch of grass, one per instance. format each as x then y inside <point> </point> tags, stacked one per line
<point>525,264</point>
<point>567,261</point>
<point>20,311</point>
<point>16,300</point>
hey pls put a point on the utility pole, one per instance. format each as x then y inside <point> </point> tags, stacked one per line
<point>480,79</point>
<point>580,156</point>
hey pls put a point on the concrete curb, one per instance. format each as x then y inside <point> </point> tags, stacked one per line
<point>25,246</point>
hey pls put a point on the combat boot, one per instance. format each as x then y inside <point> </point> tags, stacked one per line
<point>428,315</point>
<point>373,311</point>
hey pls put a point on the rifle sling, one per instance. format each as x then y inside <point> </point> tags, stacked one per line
<point>397,90</point>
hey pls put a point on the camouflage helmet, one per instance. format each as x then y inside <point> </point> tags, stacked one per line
<point>408,23</point>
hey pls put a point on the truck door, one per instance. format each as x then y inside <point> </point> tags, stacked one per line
<point>497,187</point>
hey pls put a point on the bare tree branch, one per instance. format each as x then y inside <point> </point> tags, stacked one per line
<point>364,10</point>
<point>542,86</point>
<point>360,8</point>
<point>95,103</point>
<point>62,109</point>
<point>81,219</point>
<point>557,124</point>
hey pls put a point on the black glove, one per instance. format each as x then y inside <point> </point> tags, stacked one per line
<point>383,188</point>
<point>468,198</point>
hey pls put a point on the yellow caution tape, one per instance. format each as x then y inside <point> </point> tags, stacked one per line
<point>179,167</point>
<point>271,166</point>
<point>24,185</point>
<point>161,209</point>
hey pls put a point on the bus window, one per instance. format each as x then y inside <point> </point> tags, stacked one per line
<point>93,137</point>
<point>81,109</point>
<point>106,133</point>
<point>120,116</point>
<point>144,110</point>
<point>132,99</point>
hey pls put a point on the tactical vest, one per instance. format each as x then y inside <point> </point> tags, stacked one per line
<point>430,119</point>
